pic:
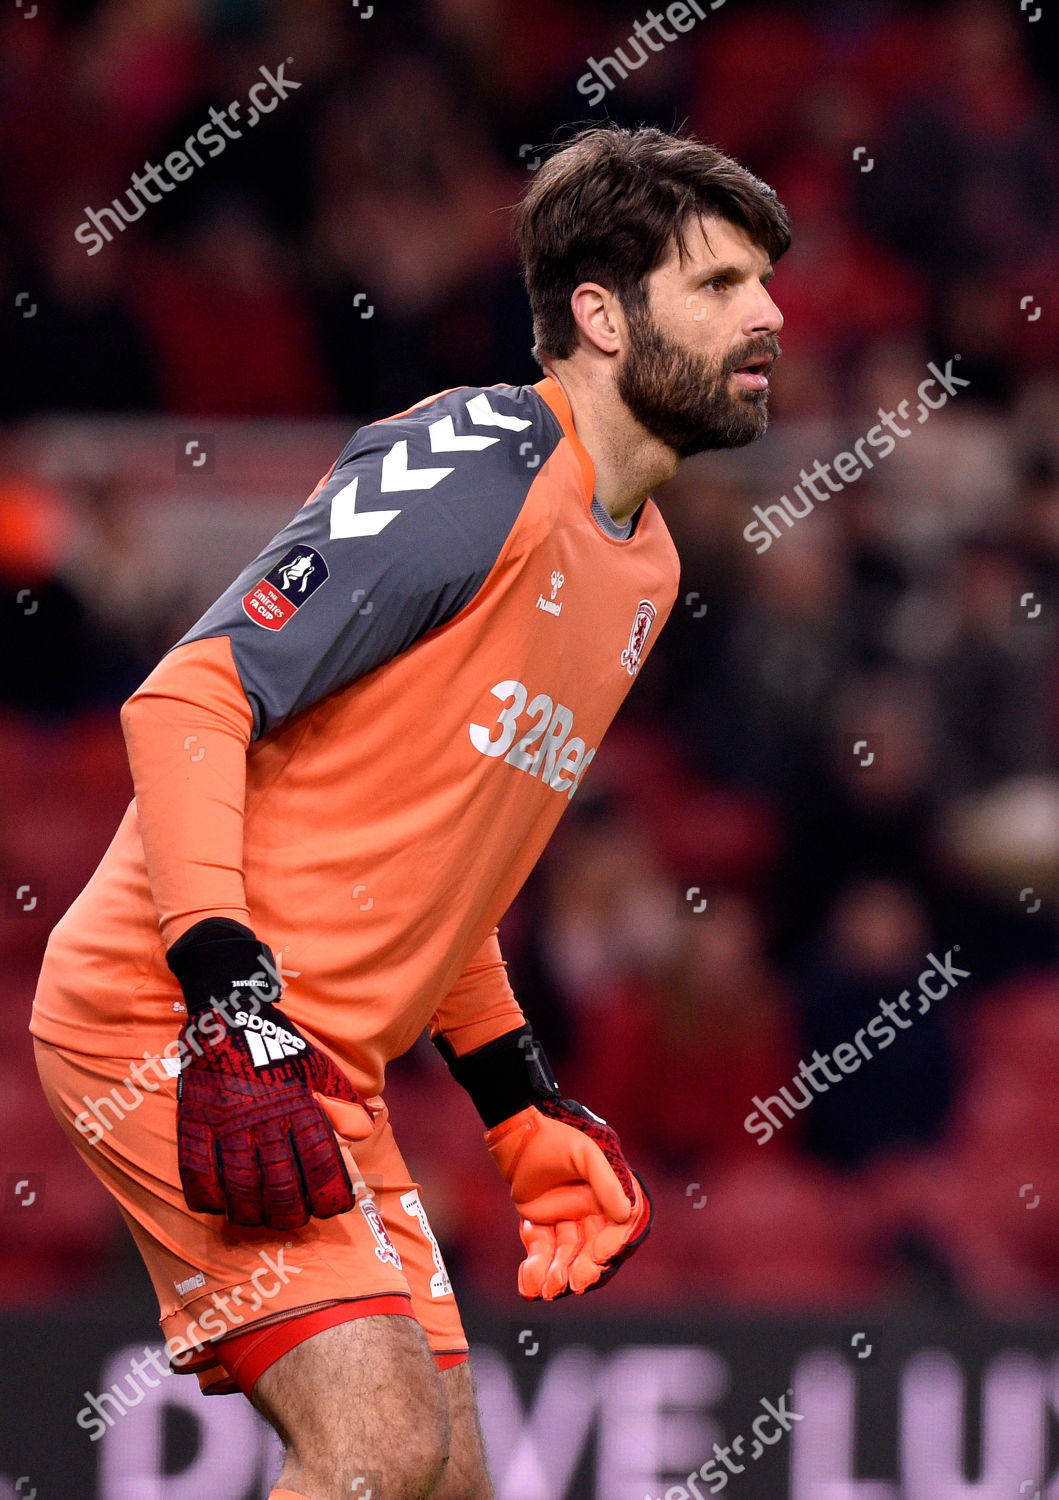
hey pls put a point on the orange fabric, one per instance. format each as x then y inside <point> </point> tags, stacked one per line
<point>212,1279</point>
<point>187,740</point>
<point>374,839</point>
<point>480,1006</point>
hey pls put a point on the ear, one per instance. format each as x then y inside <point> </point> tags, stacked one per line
<point>599,317</point>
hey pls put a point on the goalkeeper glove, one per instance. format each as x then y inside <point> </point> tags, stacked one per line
<point>253,1141</point>
<point>583,1210</point>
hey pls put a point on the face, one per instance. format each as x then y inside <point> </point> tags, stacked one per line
<point>695,371</point>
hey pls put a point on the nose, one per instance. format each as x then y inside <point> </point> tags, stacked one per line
<point>764,316</point>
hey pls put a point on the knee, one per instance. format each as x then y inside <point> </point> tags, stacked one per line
<point>424,1445</point>
<point>421,1464</point>
<point>410,1466</point>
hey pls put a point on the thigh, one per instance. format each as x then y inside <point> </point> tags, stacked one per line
<point>466,1476</point>
<point>360,1408</point>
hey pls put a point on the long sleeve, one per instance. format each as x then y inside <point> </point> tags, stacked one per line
<point>187,729</point>
<point>481,1005</point>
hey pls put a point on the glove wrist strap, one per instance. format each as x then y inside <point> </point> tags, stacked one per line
<point>504,1076</point>
<point>218,958</point>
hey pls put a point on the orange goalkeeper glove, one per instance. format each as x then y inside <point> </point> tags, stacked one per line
<point>583,1210</point>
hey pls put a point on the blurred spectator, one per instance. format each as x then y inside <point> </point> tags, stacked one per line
<point>228,323</point>
<point>876,942</point>
<point>45,660</point>
<point>128,588</point>
<point>983,1204</point>
<point>610,908</point>
<point>676,1050</point>
<point>868,814</point>
<point>411,254</point>
<point>992,674</point>
<point>85,348</point>
<point>997,853</point>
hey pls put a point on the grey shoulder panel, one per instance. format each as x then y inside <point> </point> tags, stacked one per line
<point>401,537</point>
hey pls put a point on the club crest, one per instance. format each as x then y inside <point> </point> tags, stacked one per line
<point>385,1248</point>
<point>641,629</point>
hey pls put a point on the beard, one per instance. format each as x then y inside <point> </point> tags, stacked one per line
<point>684,398</point>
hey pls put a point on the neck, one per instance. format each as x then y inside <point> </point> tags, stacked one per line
<point>628,461</point>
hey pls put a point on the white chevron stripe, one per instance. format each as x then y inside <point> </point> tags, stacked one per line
<point>443,439</point>
<point>396,474</point>
<point>483,415</point>
<point>347,520</point>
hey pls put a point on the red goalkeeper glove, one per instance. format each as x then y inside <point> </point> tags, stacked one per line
<point>583,1210</point>
<point>253,1140</point>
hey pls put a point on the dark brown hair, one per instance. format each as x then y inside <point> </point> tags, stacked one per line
<point>607,206</point>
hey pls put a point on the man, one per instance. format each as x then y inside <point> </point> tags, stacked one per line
<point>353,760</point>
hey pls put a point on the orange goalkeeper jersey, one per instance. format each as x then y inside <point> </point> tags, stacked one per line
<point>362,748</point>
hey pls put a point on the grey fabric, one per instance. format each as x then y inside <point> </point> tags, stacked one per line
<point>606,522</point>
<point>355,601</point>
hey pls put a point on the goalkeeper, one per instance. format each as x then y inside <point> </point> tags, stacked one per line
<point>343,774</point>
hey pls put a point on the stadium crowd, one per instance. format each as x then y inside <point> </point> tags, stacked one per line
<point>843,755</point>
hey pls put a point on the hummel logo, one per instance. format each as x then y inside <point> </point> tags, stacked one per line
<point>549,605</point>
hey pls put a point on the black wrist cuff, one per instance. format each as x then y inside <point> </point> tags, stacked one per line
<point>217,958</point>
<point>504,1076</point>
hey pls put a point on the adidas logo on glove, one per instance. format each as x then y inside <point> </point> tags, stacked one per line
<point>268,1043</point>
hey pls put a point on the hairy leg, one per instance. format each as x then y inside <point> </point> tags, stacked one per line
<point>465,1476</point>
<point>361,1401</point>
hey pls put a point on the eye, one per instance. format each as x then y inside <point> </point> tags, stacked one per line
<point>717,283</point>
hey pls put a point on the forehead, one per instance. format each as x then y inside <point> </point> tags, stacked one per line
<point>712,241</point>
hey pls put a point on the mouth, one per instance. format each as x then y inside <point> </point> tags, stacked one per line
<point>754,373</point>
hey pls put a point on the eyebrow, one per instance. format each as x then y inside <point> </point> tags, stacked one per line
<point>736,273</point>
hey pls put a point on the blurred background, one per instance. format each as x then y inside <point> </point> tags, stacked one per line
<point>844,752</point>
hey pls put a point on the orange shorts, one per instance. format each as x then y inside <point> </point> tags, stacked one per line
<point>214,1279</point>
